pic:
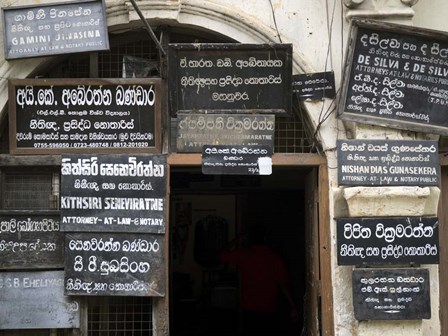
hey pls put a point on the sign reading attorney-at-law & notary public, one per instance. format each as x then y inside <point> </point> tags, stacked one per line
<point>237,160</point>
<point>113,193</point>
<point>58,28</point>
<point>391,294</point>
<point>396,76</point>
<point>388,162</point>
<point>388,240</point>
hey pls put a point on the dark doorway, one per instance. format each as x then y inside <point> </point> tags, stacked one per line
<point>208,211</point>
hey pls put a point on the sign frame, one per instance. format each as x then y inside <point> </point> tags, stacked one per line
<point>413,120</point>
<point>76,83</point>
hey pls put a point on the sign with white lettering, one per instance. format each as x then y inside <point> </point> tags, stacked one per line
<point>391,294</point>
<point>237,160</point>
<point>113,193</point>
<point>30,241</point>
<point>114,264</point>
<point>36,300</point>
<point>388,240</point>
<point>54,116</point>
<point>314,86</point>
<point>197,130</point>
<point>388,162</point>
<point>230,78</point>
<point>396,76</point>
<point>57,28</point>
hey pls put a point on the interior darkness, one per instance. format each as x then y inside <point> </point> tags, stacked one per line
<point>206,212</point>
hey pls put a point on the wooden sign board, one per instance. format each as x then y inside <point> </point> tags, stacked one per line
<point>396,76</point>
<point>54,116</point>
<point>388,240</point>
<point>197,130</point>
<point>314,86</point>
<point>388,162</point>
<point>31,241</point>
<point>36,300</point>
<point>113,193</point>
<point>57,28</point>
<point>391,294</point>
<point>230,78</point>
<point>237,160</point>
<point>110,264</point>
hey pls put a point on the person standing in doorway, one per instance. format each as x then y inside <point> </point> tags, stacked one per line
<point>263,279</point>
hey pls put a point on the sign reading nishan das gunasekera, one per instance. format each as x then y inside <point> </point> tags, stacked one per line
<point>388,162</point>
<point>58,28</point>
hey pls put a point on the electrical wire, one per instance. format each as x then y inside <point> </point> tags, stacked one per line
<point>275,21</point>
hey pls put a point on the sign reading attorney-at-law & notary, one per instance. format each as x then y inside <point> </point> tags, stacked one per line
<point>396,76</point>
<point>54,116</point>
<point>119,193</point>
<point>50,29</point>
<point>388,162</point>
<point>388,240</point>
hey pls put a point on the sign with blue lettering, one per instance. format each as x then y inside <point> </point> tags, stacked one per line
<point>57,28</point>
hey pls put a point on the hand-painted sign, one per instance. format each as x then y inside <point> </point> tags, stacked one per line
<point>388,240</point>
<point>391,294</point>
<point>50,29</point>
<point>113,193</point>
<point>396,76</point>
<point>57,116</point>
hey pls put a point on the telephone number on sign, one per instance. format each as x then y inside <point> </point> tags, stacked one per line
<point>92,145</point>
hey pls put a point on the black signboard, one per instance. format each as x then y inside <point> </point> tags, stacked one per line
<point>53,116</point>
<point>114,193</point>
<point>230,78</point>
<point>30,241</point>
<point>197,130</point>
<point>314,86</point>
<point>51,29</point>
<point>36,300</point>
<point>236,160</point>
<point>388,162</point>
<point>396,76</point>
<point>388,240</point>
<point>391,294</point>
<point>114,264</point>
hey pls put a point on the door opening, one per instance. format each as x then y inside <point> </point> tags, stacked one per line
<point>207,212</point>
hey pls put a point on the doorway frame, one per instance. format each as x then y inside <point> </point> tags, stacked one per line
<point>322,238</point>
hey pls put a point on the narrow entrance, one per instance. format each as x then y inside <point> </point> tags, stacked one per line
<point>209,211</point>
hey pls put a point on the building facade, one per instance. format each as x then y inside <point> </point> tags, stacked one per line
<point>301,201</point>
